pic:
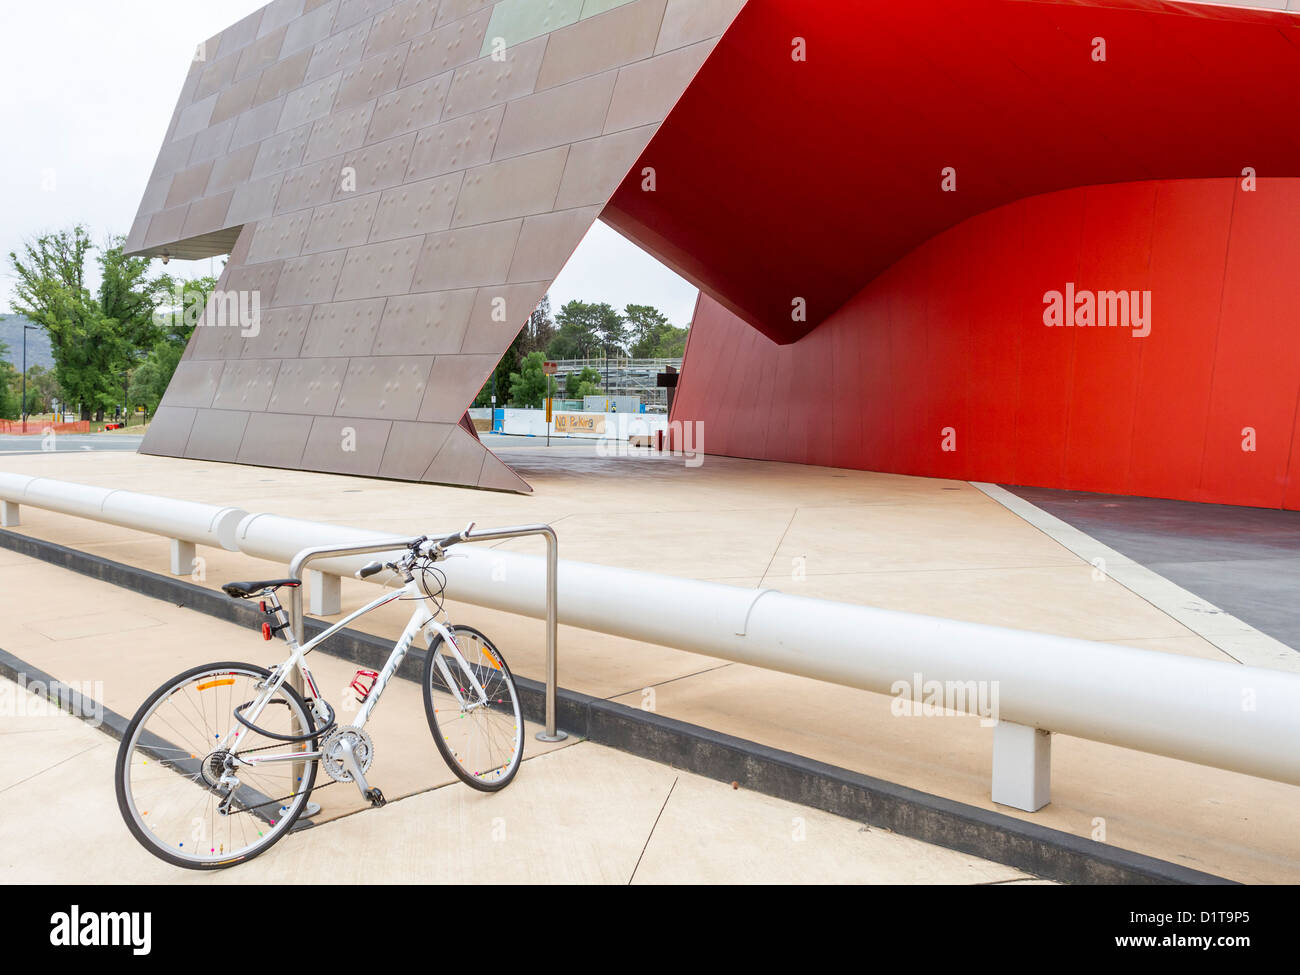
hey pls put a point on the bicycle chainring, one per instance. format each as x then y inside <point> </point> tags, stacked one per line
<point>331,759</point>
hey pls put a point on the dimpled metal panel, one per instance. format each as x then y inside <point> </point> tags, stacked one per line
<point>394,175</point>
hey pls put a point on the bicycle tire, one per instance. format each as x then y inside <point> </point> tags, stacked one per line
<point>124,802</point>
<point>440,739</point>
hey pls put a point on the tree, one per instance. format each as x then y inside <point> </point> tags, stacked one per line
<point>652,335</point>
<point>528,386</point>
<point>96,339</point>
<point>128,301</point>
<point>580,384</point>
<point>180,305</point>
<point>150,378</point>
<point>42,389</point>
<point>585,330</point>
<point>540,328</point>
<point>10,378</point>
<point>507,367</point>
<point>611,329</point>
<point>51,292</point>
<point>644,323</point>
<point>175,319</point>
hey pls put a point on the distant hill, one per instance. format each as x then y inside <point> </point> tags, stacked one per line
<point>38,343</point>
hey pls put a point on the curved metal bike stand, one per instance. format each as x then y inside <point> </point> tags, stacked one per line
<point>308,555</point>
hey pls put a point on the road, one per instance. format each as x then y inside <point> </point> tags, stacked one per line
<point>68,442</point>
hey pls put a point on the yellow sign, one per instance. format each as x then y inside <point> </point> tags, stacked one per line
<point>579,423</point>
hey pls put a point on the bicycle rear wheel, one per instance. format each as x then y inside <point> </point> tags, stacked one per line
<point>171,760</point>
<point>482,743</point>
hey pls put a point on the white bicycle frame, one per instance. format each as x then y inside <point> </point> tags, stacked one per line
<point>422,620</point>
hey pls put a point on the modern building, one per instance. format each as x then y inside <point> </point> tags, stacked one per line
<point>1045,243</point>
<point>398,184</point>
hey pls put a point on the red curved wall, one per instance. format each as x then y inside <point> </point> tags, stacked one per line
<point>952,336</point>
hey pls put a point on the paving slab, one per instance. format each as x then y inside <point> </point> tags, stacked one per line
<point>583,814</point>
<point>866,538</point>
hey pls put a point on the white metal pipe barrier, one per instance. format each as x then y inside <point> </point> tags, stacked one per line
<point>1213,713</point>
<point>186,523</point>
<point>390,546</point>
<point>1245,719</point>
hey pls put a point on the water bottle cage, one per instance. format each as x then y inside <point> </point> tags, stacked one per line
<point>361,687</point>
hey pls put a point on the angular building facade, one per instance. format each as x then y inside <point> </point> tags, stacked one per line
<point>1044,242</point>
<point>398,183</point>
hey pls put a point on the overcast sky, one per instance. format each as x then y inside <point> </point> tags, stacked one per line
<point>87,92</point>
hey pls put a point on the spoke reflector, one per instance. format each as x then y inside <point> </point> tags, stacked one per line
<point>222,682</point>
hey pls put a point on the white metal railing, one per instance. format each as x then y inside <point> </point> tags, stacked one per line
<point>186,523</point>
<point>1245,719</point>
<point>393,547</point>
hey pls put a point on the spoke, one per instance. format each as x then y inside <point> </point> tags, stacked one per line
<point>171,801</point>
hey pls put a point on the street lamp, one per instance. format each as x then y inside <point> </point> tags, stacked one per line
<point>22,409</point>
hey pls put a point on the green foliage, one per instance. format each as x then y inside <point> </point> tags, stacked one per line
<point>180,307</point>
<point>98,338</point>
<point>652,335</point>
<point>150,378</point>
<point>42,389</point>
<point>51,292</point>
<point>506,368</point>
<point>528,386</point>
<point>534,337</point>
<point>540,328</point>
<point>10,397</point>
<point>580,384</point>
<point>585,329</point>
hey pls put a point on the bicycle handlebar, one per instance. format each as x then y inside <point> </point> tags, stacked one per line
<point>422,546</point>
<point>366,571</point>
<point>436,548</point>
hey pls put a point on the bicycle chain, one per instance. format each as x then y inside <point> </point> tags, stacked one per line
<point>270,802</point>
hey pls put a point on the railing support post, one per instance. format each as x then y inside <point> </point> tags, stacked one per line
<point>326,593</point>
<point>9,514</point>
<point>1022,766</point>
<point>182,557</point>
<point>551,733</point>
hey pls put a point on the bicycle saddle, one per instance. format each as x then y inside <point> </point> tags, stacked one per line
<point>243,590</point>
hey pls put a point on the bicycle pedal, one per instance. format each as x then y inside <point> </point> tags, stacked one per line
<point>375,798</point>
<point>361,687</point>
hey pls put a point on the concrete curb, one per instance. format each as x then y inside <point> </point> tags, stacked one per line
<point>1044,852</point>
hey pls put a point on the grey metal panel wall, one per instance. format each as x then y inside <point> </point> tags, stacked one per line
<point>398,183</point>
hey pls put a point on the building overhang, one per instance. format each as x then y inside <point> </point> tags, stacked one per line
<point>777,180</point>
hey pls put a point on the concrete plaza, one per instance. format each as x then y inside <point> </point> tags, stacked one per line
<point>939,547</point>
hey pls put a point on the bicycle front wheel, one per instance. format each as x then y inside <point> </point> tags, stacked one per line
<point>480,736</point>
<point>176,750</point>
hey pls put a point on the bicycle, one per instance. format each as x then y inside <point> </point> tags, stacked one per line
<point>218,763</point>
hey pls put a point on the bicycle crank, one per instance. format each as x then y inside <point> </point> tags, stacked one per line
<point>346,755</point>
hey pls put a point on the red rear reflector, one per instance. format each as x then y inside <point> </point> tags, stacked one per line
<point>262,604</point>
<point>266,631</point>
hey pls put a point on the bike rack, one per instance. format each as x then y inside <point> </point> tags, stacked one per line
<point>308,555</point>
